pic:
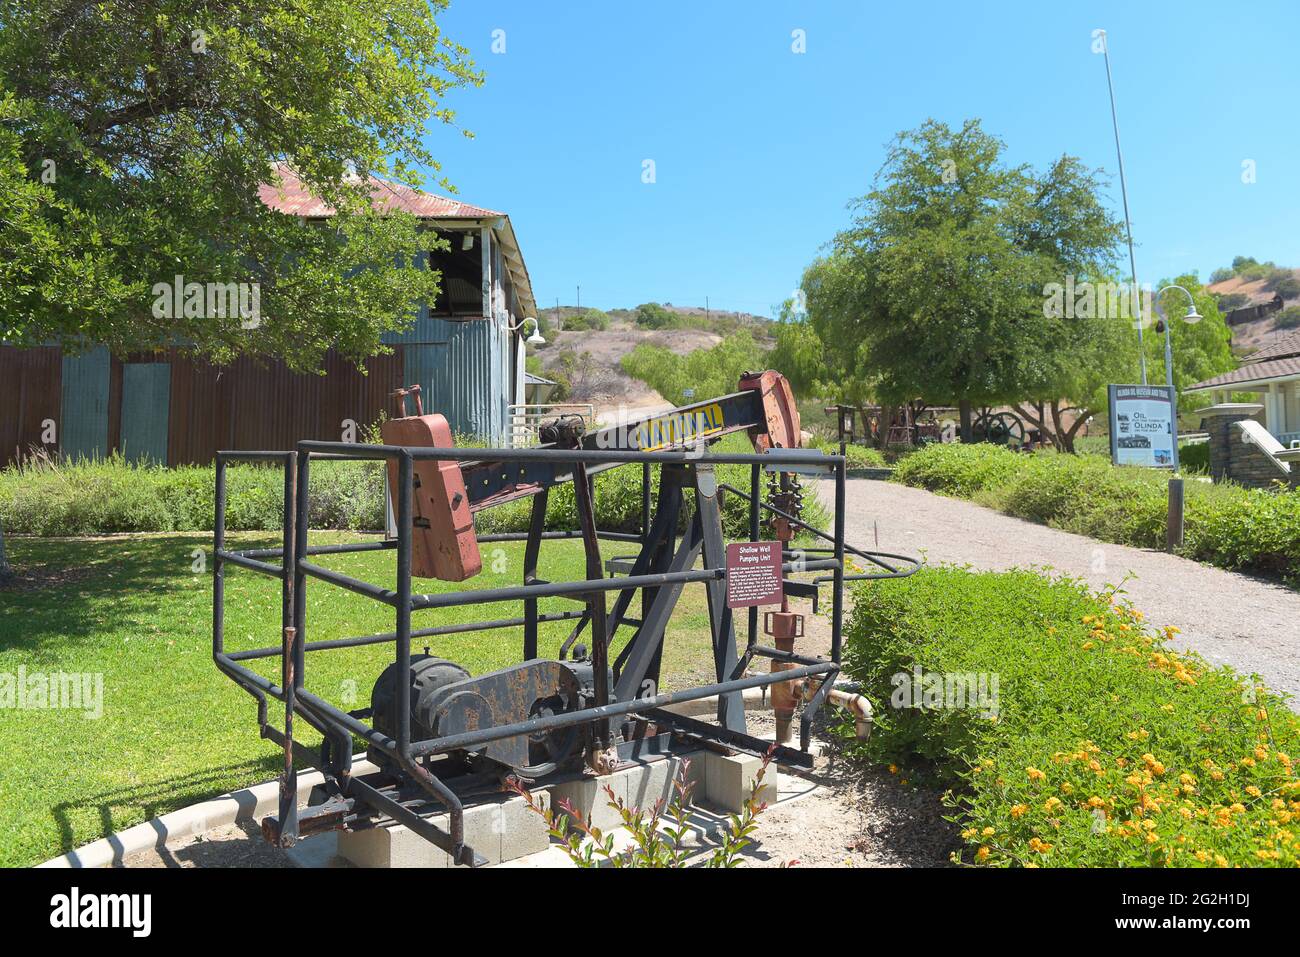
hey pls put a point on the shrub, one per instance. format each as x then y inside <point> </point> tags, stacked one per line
<point>712,371</point>
<point>856,456</point>
<point>1195,459</point>
<point>955,469</point>
<point>1098,746</point>
<point>590,319</point>
<point>1224,524</point>
<point>103,496</point>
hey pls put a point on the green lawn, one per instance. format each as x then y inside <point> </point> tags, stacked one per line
<point>174,730</point>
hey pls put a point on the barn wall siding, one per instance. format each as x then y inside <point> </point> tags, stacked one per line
<point>31,387</point>
<point>252,406</point>
<point>83,426</point>
<point>145,392</point>
<point>173,408</point>
<point>459,368</point>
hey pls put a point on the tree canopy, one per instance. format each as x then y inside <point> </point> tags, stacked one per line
<point>941,289</point>
<point>134,137</point>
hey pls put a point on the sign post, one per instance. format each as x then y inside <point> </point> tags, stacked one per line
<point>1144,426</point>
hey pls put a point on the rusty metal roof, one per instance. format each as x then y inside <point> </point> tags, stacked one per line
<point>1252,372</point>
<point>288,194</point>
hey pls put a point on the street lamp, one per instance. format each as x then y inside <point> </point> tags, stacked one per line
<point>1191,318</point>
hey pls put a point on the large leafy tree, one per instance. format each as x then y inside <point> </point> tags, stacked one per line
<point>134,136</point>
<point>937,287</point>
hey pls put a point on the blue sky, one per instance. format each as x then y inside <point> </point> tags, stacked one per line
<point>757,149</point>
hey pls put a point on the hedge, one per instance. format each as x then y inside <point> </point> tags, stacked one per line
<point>105,496</point>
<point>1098,745</point>
<point>1224,524</point>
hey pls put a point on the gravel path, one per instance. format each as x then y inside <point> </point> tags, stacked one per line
<point>1228,617</point>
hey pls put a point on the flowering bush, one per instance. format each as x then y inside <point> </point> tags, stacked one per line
<point>1106,747</point>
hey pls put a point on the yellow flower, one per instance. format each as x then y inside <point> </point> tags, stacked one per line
<point>1019,809</point>
<point>1035,774</point>
<point>1051,804</point>
<point>1253,791</point>
<point>987,832</point>
<point>982,854</point>
<point>1095,801</point>
<point>893,769</point>
<point>1261,752</point>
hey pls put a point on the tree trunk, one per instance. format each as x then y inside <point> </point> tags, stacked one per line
<point>964,410</point>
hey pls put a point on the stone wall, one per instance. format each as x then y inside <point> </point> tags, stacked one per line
<point>1231,458</point>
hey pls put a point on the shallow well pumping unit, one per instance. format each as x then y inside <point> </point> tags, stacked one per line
<point>442,737</point>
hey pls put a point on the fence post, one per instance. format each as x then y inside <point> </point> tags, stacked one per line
<point>1174,525</point>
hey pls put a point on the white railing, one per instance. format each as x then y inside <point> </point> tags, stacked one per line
<point>526,419</point>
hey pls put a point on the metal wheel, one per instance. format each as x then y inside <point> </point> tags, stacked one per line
<point>1000,428</point>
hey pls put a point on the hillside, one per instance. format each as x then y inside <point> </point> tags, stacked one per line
<point>1258,285</point>
<point>588,357</point>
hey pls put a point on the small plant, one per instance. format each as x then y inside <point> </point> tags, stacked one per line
<point>657,836</point>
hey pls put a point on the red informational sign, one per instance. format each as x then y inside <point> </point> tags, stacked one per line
<point>753,574</point>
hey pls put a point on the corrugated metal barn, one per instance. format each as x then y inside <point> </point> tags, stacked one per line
<point>465,351</point>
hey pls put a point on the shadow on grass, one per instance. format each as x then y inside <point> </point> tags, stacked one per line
<point>64,585</point>
<point>160,797</point>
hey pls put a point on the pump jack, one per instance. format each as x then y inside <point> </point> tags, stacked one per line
<point>441,736</point>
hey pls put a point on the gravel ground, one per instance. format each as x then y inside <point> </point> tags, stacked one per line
<point>1228,617</point>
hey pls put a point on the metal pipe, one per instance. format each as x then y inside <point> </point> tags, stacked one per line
<point>773,457</point>
<point>561,589</point>
<point>858,706</point>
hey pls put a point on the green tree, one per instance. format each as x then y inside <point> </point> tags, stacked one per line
<point>1201,350</point>
<point>134,138</point>
<point>709,372</point>
<point>651,315</point>
<point>937,289</point>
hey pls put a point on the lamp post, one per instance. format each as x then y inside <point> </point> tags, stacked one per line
<point>1191,318</point>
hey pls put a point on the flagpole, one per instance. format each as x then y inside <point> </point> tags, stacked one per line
<point>1136,298</point>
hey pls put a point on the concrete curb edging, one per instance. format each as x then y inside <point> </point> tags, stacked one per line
<point>257,801</point>
<point>242,805</point>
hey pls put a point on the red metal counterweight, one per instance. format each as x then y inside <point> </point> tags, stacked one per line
<point>444,544</point>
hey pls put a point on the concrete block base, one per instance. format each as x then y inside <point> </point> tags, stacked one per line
<point>504,829</point>
<point>500,829</point>
<point>729,779</point>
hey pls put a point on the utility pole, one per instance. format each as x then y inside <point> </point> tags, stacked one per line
<point>1123,189</point>
<point>580,298</point>
<point>706,309</point>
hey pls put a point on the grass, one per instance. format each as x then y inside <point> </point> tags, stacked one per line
<point>173,729</point>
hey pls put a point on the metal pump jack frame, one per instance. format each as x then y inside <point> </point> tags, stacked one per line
<point>440,736</point>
